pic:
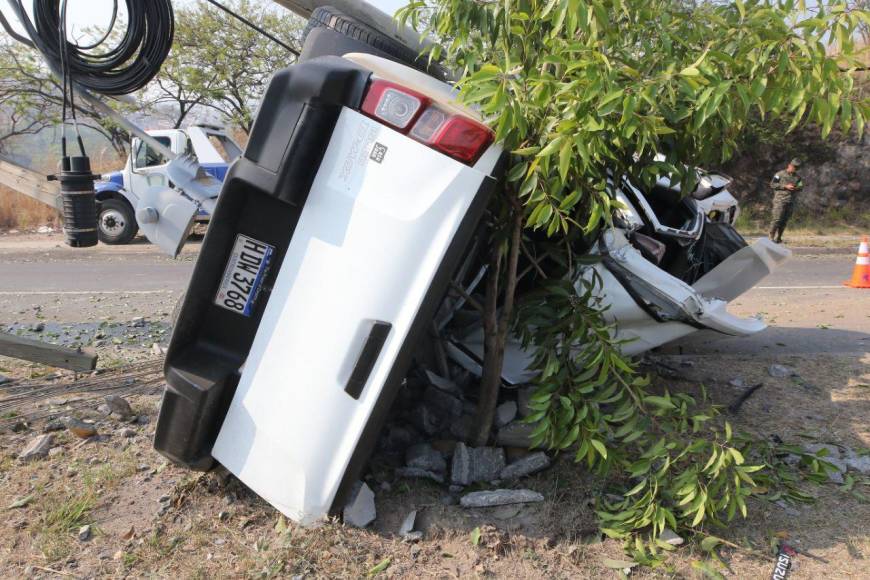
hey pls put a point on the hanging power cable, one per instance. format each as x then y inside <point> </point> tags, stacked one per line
<point>110,70</point>
<point>244,20</point>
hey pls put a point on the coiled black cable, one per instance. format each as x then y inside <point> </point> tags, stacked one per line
<point>118,70</point>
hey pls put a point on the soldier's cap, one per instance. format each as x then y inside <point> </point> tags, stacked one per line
<point>796,162</point>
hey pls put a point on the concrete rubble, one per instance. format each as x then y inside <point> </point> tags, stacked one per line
<point>781,371</point>
<point>424,456</point>
<point>360,511</point>
<point>524,466</point>
<point>37,448</point>
<point>476,464</point>
<point>443,384</point>
<point>417,473</point>
<point>505,413</point>
<point>515,434</point>
<point>406,530</point>
<point>859,463</point>
<point>670,537</point>
<point>480,499</point>
<point>832,456</point>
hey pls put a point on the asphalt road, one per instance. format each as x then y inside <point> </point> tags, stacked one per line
<point>804,301</point>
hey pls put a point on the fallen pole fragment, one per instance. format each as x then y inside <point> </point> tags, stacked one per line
<point>47,354</point>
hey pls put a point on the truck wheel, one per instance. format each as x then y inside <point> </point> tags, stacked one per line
<point>116,222</point>
<point>329,17</point>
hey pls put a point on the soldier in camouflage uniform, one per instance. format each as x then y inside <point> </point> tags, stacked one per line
<point>786,184</point>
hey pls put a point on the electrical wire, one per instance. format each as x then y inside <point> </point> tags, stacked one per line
<point>121,69</point>
<point>244,20</point>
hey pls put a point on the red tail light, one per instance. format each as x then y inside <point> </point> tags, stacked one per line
<point>414,114</point>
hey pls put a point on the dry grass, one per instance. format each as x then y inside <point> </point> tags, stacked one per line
<point>20,211</point>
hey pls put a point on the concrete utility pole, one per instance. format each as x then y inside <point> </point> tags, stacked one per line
<point>47,354</point>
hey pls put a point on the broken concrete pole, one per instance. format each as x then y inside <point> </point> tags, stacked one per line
<point>515,434</point>
<point>424,456</point>
<point>37,448</point>
<point>505,413</point>
<point>479,499</point>
<point>526,466</point>
<point>360,511</point>
<point>472,464</point>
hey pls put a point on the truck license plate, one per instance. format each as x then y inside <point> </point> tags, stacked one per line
<point>243,275</point>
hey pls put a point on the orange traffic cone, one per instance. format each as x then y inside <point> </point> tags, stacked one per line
<point>861,273</point>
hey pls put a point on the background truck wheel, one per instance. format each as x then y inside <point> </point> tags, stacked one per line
<point>116,222</point>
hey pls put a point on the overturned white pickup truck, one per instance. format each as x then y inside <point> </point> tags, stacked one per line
<point>330,252</point>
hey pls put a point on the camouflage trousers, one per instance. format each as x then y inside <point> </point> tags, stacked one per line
<point>783,206</point>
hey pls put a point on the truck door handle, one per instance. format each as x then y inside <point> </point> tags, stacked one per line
<point>367,358</point>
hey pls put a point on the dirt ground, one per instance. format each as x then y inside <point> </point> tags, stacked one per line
<point>150,518</point>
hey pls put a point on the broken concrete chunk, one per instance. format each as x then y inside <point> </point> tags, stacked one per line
<point>515,434</point>
<point>505,413</point>
<point>462,427</point>
<point>781,371</point>
<point>426,420</point>
<point>478,499</point>
<point>444,404</point>
<point>442,383</point>
<point>360,511</point>
<point>119,406</point>
<point>416,472</point>
<point>472,464</point>
<point>526,466</point>
<point>832,456</point>
<point>460,467</point>
<point>424,456</point>
<point>408,524</point>
<point>859,463</point>
<point>670,537</point>
<point>37,448</point>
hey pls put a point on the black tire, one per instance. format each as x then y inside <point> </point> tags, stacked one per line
<point>116,222</point>
<point>329,17</point>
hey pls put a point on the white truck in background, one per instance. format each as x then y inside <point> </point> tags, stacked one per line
<point>119,192</point>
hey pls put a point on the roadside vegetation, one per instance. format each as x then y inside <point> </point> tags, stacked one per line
<point>579,93</point>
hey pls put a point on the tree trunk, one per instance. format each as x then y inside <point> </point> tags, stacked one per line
<point>496,324</point>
